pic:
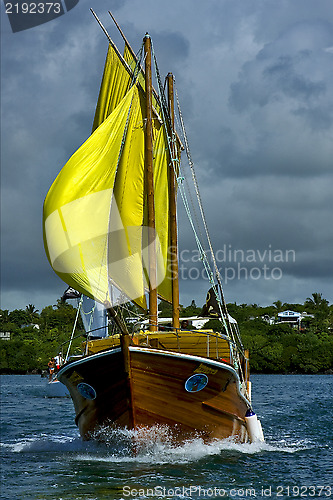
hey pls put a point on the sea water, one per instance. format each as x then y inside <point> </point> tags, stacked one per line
<point>43,457</point>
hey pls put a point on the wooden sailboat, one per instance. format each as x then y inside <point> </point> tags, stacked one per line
<point>110,224</point>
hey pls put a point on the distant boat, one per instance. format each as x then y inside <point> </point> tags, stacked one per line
<point>55,389</point>
<point>110,232</point>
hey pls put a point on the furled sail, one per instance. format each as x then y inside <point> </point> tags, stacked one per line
<point>95,230</point>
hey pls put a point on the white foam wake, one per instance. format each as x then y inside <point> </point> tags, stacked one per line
<point>155,444</point>
<point>158,445</point>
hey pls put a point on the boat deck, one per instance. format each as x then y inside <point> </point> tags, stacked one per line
<point>203,343</point>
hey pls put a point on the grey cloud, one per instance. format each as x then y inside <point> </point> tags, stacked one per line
<point>283,76</point>
<point>294,71</point>
<point>318,119</point>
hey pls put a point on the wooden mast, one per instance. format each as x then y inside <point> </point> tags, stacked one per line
<point>173,212</point>
<point>150,187</point>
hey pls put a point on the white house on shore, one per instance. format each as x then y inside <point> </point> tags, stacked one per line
<point>293,318</point>
<point>4,335</point>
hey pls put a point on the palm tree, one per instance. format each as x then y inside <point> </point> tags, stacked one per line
<point>4,316</point>
<point>278,304</point>
<point>32,312</point>
<point>319,307</point>
<point>316,302</point>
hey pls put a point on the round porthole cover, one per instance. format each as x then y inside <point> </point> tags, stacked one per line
<point>86,390</point>
<point>196,382</point>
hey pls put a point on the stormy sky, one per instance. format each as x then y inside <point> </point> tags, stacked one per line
<point>255,79</point>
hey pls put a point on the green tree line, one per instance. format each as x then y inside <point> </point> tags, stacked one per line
<point>36,337</point>
<point>277,347</point>
<point>274,347</point>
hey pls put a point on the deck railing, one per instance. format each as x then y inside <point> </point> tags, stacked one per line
<point>203,343</point>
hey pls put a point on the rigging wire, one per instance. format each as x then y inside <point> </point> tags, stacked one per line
<point>190,196</point>
<point>221,302</point>
<point>177,172</point>
<point>231,332</point>
<point>74,327</point>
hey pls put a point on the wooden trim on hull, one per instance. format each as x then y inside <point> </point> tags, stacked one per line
<point>158,393</point>
<point>207,361</point>
<point>158,387</point>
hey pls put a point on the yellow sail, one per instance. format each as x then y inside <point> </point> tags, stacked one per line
<point>161,188</point>
<point>95,229</point>
<point>115,83</point>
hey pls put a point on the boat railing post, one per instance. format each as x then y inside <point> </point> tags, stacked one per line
<point>178,343</point>
<point>247,372</point>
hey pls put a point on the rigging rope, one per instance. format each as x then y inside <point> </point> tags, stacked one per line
<point>180,178</point>
<point>221,303</point>
<point>175,163</point>
<point>74,326</point>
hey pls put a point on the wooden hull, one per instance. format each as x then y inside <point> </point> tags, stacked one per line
<point>155,393</point>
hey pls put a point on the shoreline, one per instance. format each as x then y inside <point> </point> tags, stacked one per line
<point>40,372</point>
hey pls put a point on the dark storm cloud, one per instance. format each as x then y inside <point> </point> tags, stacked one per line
<point>256,87</point>
<point>282,164</point>
<point>48,98</point>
